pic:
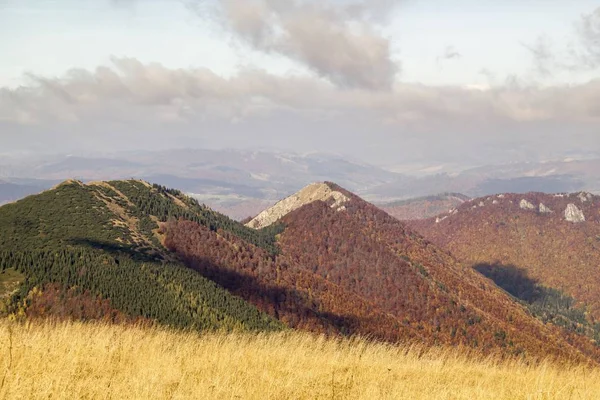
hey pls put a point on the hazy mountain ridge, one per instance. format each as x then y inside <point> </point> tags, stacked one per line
<point>240,182</point>
<point>423,207</point>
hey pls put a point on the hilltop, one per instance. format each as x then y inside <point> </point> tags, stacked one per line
<point>94,252</point>
<point>320,191</point>
<point>537,246</point>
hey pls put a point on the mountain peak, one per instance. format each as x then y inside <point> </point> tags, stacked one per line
<point>318,191</point>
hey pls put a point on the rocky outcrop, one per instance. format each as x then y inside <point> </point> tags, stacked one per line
<point>525,205</point>
<point>574,214</point>
<point>543,209</point>
<point>583,196</point>
<point>311,193</point>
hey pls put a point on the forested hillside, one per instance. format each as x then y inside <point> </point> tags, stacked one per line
<point>543,249</point>
<point>339,255</point>
<point>97,244</point>
<point>129,251</point>
<point>365,250</point>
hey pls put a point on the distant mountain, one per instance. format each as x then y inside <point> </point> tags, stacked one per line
<point>241,183</point>
<point>533,245</point>
<point>423,207</point>
<point>12,191</point>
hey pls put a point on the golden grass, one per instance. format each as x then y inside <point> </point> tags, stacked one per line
<point>73,360</point>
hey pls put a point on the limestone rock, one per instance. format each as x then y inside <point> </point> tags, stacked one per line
<point>574,214</point>
<point>583,196</point>
<point>311,193</point>
<point>525,205</point>
<point>543,209</point>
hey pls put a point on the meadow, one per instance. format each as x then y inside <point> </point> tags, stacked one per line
<point>93,361</point>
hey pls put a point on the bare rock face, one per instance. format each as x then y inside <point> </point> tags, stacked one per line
<point>543,209</point>
<point>574,214</point>
<point>525,205</point>
<point>311,193</point>
<point>583,196</point>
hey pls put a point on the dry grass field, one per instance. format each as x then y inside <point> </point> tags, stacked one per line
<point>74,360</point>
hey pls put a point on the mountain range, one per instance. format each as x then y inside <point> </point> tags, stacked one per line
<point>322,260</point>
<point>243,183</point>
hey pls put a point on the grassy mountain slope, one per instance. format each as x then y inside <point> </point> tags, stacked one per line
<point>94,361</point>
<point>528,251</point>
<point>99,243</point>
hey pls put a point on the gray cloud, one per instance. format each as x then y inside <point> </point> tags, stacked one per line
<point>544,58</point>
<point>339,43</point>
<point>589,33</point>
<point>581,53</point>
<point>450,53</point>
<point>130,88</point>
<point>132,105</point>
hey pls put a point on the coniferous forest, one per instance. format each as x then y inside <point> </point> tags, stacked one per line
<point>92,242</point>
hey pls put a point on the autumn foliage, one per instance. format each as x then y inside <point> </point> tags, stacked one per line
<point>552,251</point>
<point>360,271</point>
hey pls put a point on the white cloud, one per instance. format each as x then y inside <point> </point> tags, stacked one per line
<point>338,43</point>
<point>189,93</point>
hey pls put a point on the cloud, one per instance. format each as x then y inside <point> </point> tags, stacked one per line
<point>338,43</point>
<point>589,34</point>
<point>544,59</point>
<point>127,88</point>
<point>450,53</point>
<point>581,53</point>
<point>133,105</point>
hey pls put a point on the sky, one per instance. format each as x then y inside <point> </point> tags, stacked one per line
<point>390,82</point>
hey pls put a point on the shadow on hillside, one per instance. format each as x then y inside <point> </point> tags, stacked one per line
<point>512,279</point>
<point>118,249</point>
<point>284,303</point>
